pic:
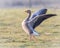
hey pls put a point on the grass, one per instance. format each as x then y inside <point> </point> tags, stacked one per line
<point>12,35</point>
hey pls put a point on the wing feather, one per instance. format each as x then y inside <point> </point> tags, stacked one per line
<point>38,19</point>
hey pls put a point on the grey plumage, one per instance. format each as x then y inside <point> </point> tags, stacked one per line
<point>39,19</point>
<point>39,12</point>
<point>32,21</point>
<point>27,24</point>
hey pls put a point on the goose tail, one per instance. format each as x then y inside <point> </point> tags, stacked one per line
<point>35,33</point>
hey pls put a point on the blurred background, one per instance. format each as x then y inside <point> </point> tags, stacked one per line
<point>29,3</point>
<point>11,16</point>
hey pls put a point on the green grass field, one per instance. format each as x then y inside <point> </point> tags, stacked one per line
<point>12,35</point>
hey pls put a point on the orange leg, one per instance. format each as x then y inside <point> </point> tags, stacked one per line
<point>32,37</point>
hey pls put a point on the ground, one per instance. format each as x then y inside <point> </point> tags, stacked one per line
<point>12,35</point>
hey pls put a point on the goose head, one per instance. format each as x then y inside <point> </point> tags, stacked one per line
<point>28,11</point>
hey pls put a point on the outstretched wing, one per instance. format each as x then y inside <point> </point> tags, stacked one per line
<point>38,19</point>
<point>39,12</point>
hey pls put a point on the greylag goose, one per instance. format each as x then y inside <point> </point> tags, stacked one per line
<point>29,24</point>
